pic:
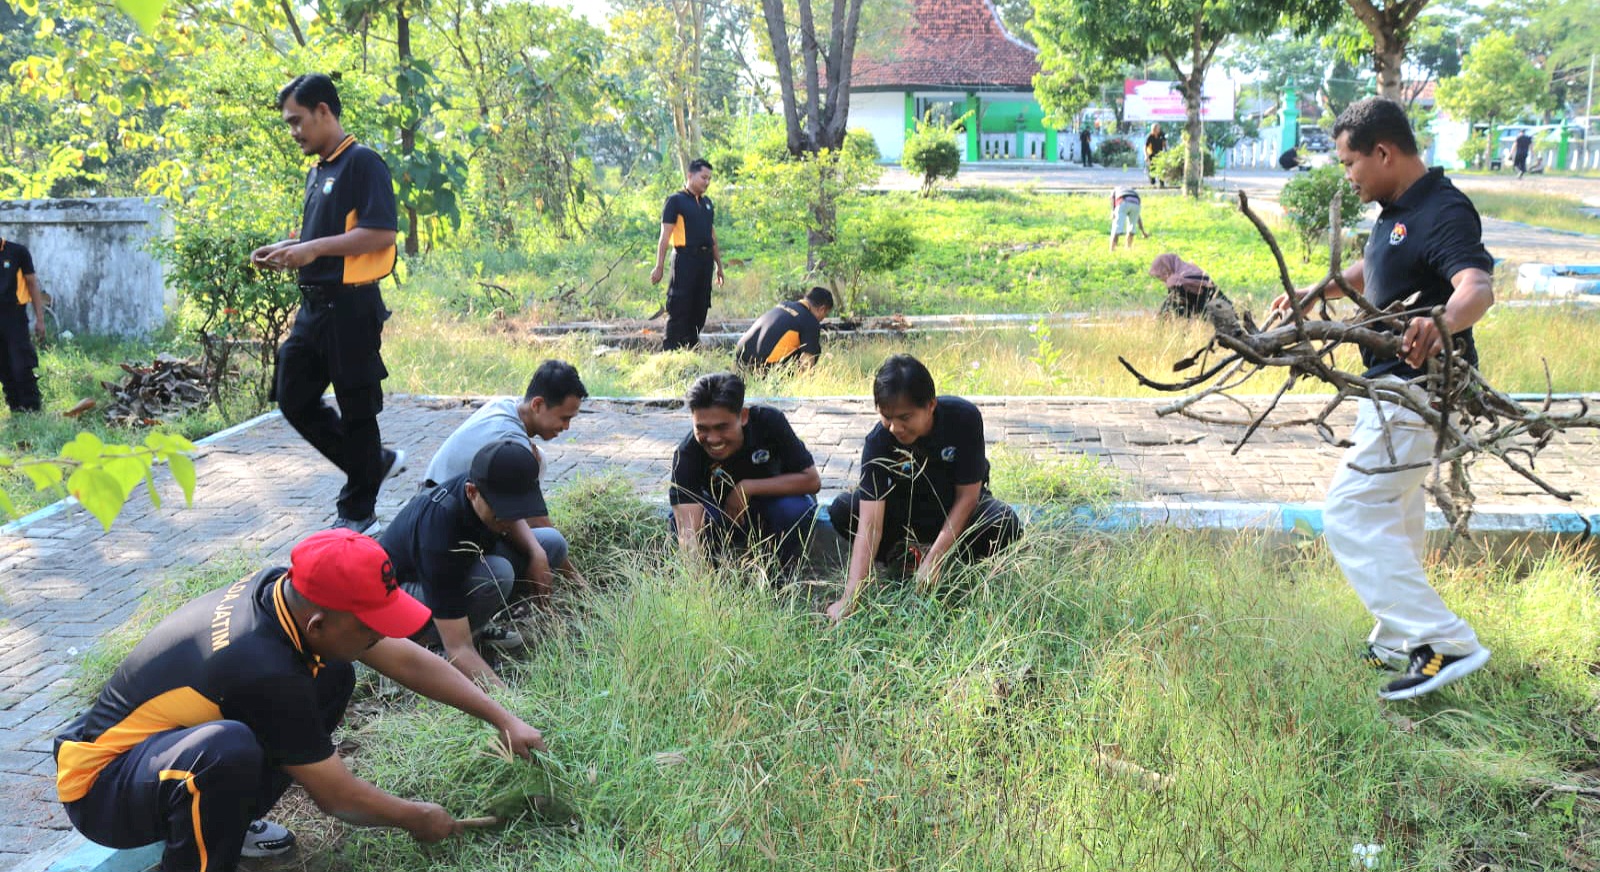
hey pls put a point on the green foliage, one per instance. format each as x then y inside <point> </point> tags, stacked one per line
<point>232,304</point>
<point>1117,153</point>
<point>1497,82</point>
<point>931,152</point>
<point>1307,198</point>
<point>873,250</point>
<point>1168,166</point>
<point>102,476</point>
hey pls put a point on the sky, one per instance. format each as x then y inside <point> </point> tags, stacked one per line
<point>594,10</point>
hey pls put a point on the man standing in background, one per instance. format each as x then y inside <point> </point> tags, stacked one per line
<point>19,287</point>
<point>687,220</point>
<point>346,246</point>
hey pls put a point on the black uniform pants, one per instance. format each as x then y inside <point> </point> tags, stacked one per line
<point>688,296</point>
<point>195,789</point>
<point>993,525</point>
<point>17,362</point>
<point>337,339</point>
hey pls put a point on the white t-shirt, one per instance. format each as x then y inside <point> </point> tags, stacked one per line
<point>496,421</point>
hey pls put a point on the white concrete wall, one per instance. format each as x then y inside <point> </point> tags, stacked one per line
<point>93,258</point>
<point>882,114</point>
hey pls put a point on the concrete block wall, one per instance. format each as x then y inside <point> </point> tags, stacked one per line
<point>94,258</point>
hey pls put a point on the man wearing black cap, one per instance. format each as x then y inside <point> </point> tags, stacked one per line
<point>688,227</point>
<point>443,535</point>
<point>209,718</point>
<point>790,331</point>
<point>345,247</point>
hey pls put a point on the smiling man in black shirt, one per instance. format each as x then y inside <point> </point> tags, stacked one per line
<point>346,245</point>
<point>227,700</point>
<point>741,475</point>
<point>1426,248</point>
<point>924,481</point>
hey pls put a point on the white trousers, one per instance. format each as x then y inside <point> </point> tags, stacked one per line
<point>1374,526</point>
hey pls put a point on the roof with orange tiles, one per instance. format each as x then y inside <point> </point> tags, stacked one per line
<point>948,43</point>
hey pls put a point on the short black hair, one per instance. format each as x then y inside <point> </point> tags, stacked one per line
<point>309,89</point>
<point>699,164</point>
<point>555,381</point>
<point>1376,120</point>
<point>722,389</point>
<point>820,297</point>
<point>903,377</point>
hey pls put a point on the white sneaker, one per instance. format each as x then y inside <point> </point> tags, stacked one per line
<point>267,839</point>
<point>500,637</point>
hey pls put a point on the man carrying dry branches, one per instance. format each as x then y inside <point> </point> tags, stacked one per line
<point>1427,243</point>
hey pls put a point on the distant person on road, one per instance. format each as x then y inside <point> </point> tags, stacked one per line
<point>345,247</point>
<point>532,549</point>
<point>688,221</point>
<point>790,332</point>
<point>1427,243</point>
<point>1154,144</point>
<point>924,485</point>
<point>1189,288</point>
<point>207,721</point>
<point>1519,152</point>
<point>1085,153</point>
<point>741,477</point>
<point>1125,215</point>
<point>19,289</point>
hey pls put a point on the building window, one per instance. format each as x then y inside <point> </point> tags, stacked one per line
<point>943,109</point>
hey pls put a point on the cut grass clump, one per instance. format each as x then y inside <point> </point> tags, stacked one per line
<point>1153,700</point>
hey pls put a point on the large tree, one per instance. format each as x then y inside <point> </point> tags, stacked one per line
<point>1389,22</point>
<point>1183,34</point>
<point>1497,83</point>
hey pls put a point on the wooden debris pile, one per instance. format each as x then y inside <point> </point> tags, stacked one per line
<point>167,386</point>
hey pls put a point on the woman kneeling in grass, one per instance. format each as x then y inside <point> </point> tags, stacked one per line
<point>924,479</point>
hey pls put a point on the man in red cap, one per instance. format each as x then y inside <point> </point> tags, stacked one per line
<point>209,718</point>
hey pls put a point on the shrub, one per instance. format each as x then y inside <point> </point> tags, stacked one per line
<point>1117,153</point>
<point>931,152</point>
<point>1305,201</point>
<point>1168,165</point>
<point>881,246</point>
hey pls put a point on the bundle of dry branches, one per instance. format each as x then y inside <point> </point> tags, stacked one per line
<point>1471,418</point>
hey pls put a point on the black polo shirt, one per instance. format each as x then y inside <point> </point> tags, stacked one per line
<point>927,472</point>
<point>785,330</point>
<point>436,540</point>
<point>770,449</point>
<point>350,189</point>
<point>1430,233</point>
<point>233,654</point>
<point>15,262</point>
<point>691,218</point>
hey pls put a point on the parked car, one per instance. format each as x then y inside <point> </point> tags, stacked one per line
<point>1315,140</point>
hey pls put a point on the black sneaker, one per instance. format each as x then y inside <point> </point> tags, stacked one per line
<point>1386,659</point>
<point>267,839</point>
<point>394,463</point>
<point>500,637</point>
<point>360,525</point>
<point>1427,672</point>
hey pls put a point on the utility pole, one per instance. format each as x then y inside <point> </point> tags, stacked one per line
<point>1588,102</point>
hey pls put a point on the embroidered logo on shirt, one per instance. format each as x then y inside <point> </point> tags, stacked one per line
<point>948,454</point>
<point>760,455</point>
<point>7,266</point>
<point>327,187</point>
<point>1397,235</point>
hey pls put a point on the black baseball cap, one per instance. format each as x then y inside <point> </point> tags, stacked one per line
<point>507,475</point>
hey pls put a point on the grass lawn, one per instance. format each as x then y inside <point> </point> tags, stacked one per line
<point>1540,210</point>
<point>1149,701</point>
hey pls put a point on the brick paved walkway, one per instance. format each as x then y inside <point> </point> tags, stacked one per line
<point>65,582</point>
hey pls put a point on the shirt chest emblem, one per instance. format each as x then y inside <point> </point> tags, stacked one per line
<point>760,456</point>
<point>7,265</point>
<point>327,187</point>
<point>1397,235</point>
<point>948,454</point>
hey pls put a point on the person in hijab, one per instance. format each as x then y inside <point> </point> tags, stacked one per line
<point>1189,288</point>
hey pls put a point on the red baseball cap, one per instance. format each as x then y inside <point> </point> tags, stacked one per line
<point>345,571</point>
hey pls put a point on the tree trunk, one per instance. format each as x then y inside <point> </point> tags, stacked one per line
<point>1388,53</point>
<point>1194,166</point>
<point>1389,28</point>
<point>408,129</point>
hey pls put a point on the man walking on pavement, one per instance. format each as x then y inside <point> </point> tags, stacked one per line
<point>687,220</point>
<point>346,245</point>
<point>1519,152</point>
<point>19,288</point>
<point>1427,241</point>
<point>207,721</point>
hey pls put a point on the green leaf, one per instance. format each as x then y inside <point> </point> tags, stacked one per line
<point>99,493</point>
<point>150,487</point>
<point>8,509</point>
<point>145,13</point>
<point>128,472</point>
<point>86,448</point>
<point>44,473</point>
<point>29,8</point>
<point>182,467</point>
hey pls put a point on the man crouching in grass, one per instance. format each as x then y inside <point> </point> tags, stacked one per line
<point>924,482</point>
<point>208,719</point>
